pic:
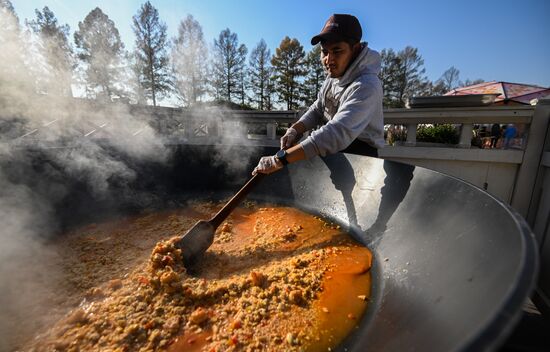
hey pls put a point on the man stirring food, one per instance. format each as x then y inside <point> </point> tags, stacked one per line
<point>349,104</point>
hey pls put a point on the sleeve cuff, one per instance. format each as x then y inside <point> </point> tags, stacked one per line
<point>310,148</point>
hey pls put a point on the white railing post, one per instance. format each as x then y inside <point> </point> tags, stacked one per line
<point>528,175</point>
<point>411,135</point>
<point>271,130</point>
<point>466,133</point>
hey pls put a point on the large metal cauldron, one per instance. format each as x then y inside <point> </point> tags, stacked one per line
<point>452,266</point>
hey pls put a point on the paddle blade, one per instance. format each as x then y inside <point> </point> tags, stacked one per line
<point>196,241</point>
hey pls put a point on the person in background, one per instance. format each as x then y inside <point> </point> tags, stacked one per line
<point>348,107</point>
<point>476,139</point>
<point>509,134</point>
<point>495,134</point>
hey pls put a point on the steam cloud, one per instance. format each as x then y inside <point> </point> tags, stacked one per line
<point>44,138</point>
<point>47,138</point>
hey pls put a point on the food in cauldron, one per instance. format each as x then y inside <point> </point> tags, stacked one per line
<point>275,279</point>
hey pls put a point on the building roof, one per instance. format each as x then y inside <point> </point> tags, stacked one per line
<point>515,92</point>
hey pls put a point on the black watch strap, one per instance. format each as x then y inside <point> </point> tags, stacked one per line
<point>281,155</point>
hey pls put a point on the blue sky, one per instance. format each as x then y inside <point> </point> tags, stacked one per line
<point>501,40</point>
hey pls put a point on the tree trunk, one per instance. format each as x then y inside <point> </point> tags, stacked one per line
<point>152,73</point>
<point>150,58</point>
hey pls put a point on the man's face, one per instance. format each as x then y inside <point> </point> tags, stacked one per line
<point>336,57</point>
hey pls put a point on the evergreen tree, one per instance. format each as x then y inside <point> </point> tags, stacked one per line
<point>270,92</point>
<point>56,52</point>
<point>315,75</point>
<point>10,40</point>
<point>7,8</point>
<point>228,66</point>
<point>102,52</point>
<point>242,77</point>
<point>402,76</point>
<point>260,73</point>
<point>136,91</point>
<point>15,77</point>
<point>288,64</point>
<point>242,94</point>
<point>389,75</point>
<point>189,62</point>
<point>151,56</point>
<point>412,79</point>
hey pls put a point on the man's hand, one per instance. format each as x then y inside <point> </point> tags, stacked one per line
<point>267,165</point>
<point>289,139</point>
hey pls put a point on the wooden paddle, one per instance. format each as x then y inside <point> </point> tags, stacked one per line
<point>200,237</point>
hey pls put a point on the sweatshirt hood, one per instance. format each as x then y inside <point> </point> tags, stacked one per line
<point>368,62</point>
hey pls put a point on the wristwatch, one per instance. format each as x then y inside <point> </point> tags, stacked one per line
<point>281,155</point>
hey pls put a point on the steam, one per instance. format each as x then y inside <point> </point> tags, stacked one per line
<point>43,139</point>
<point>189,62</point>
<point>48,137</point>
<point>230,135</point>
<point>23,263</point>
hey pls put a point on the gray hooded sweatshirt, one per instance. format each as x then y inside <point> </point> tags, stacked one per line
<point>348,107</point>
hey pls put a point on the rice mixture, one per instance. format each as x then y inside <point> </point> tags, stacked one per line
<point>275,279</point>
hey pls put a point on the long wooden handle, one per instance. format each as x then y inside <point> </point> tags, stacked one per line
<point>235,201</point>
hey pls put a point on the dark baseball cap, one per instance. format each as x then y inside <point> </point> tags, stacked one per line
<point>339,28</point>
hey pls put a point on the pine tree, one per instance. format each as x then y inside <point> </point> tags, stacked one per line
<point>270,92</point>
<point>411,75</point>
<point>55,51</point>
<point>151,56</point>
<point>228,65</point>
<point>189,62</point>
<point>137,92</point>
<point>402,76</point>
<point>389,77</point>
<point>101,52</point>
<point>260,73</point>
<point>288,64</point>
<point>315,75</point>
<point>15,77</point>
<point>242,94</point>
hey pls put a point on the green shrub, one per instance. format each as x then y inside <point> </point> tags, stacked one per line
<point>444,133</point>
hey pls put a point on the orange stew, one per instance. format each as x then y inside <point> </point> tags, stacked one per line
<point>275,279</point>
